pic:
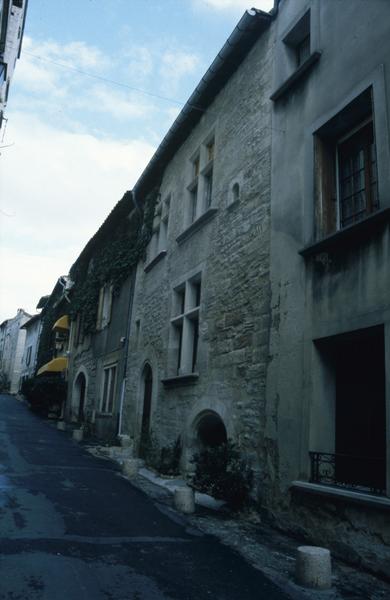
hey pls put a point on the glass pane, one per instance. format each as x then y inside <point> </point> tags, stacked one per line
<point>112,389</point>
<point>105,390</point>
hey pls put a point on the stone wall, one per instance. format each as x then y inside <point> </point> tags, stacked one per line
<point>231,252</point>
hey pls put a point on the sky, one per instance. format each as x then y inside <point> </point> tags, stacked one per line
<point>98,85</point>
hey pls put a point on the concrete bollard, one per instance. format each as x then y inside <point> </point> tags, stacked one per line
<point>61,426</point>
<point>185,500</point>
<point>78,435</point>
<point>130,467</point>
<point>313,568</point>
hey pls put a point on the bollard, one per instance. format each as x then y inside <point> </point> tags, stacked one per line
<point>61,425</point>
<point>185,500</point>
<point>78,435</point>
<point>313,568</point>
<point>130,467</point>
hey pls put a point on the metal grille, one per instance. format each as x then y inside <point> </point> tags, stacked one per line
<point>358,473</point>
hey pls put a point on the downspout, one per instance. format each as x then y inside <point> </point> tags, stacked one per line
<point>126,351</point>
<point>127,339</point>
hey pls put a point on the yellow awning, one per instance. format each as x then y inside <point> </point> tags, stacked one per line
<point>62,323</point>
<point>57,365</point>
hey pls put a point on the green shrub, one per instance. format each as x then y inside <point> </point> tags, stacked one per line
<point>170,459</point>
<point>45,393</point>
<point>166,459</point>
<point>4,382</point>
<point>224,474</point>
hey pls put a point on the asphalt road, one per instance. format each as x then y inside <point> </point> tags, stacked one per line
<point>73,528</point>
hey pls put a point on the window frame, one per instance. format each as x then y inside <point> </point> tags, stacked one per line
<point>186,305</point>
<point>330,133</point>
<point>107,399</point>
<point>200,189</point>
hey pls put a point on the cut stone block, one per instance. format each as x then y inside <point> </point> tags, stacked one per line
<point>78,435</point>
<point>130,467</point>
<point>185,500</point>
<point>313,567</point>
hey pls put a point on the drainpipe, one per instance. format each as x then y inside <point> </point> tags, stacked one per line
<point>127,339</point>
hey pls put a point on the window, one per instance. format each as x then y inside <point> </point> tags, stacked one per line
<point>346,185</point>
<point>158,243</point>
<point>28,355</point>
<point>200,188</point>
<point>17,3</point>
<point>104,308</point>
<point>108,390</point>
<point>185,325</point>
<point>297,40</point>
<point>348,427</point>
<point>357,180</point>
<point>78,330</point>
<point>303,50</point>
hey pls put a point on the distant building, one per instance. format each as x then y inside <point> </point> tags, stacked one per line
<point>12,19</point>
<point>12,339</point>
<point>29,361</point>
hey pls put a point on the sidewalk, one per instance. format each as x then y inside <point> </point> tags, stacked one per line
<point>268,550</point>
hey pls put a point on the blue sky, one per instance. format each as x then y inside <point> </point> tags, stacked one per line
<point>76,142</point>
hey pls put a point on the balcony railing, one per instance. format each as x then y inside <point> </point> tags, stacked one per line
<point>359,473</point>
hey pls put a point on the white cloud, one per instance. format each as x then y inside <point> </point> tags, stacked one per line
<point>174,65</point>
<point>120,105</point>
<point>58,188</point>
<point>77,54</point>
<point>139,62</point>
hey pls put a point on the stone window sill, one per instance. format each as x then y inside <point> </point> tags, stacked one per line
<point>349,235</point>
<point>180,380</point>
<point>296,76</point>
<point>155,260</point>
<point>196,225</point>
<point>327,491</point>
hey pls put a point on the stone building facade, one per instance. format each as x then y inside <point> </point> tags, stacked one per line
<point>328,383</point>
<point>260,311</point>
<point>97,356</point>
<point>29,360</point>
<point>200,320</point>
<point>12,340</point>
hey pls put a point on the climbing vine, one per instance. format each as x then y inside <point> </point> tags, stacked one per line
<point>110,257</point>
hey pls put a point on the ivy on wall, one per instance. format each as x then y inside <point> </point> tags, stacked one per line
<point>53,309</point>
<point>110,256</point>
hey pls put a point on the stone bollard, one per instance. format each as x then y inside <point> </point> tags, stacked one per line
<point>185,500</point>
<point>313,568</point>
<point>61,426</point>
<point>130,467</point>
<point>78,435</point>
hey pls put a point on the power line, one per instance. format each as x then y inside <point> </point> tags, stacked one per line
<point>111,81</point>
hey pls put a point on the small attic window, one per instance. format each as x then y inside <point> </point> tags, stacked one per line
<point>298,39</point>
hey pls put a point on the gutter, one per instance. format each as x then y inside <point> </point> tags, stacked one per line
<point>23,26</point>
<point>235,49</point>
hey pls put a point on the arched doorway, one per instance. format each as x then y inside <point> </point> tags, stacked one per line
<point>80,387</point>
<point>210,430</point>
<point>147,379</point>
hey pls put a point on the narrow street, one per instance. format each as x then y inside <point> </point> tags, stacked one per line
<point>72,527</point>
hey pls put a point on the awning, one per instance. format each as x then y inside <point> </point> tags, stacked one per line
<point>61,323</point>
<point>57,365</point>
